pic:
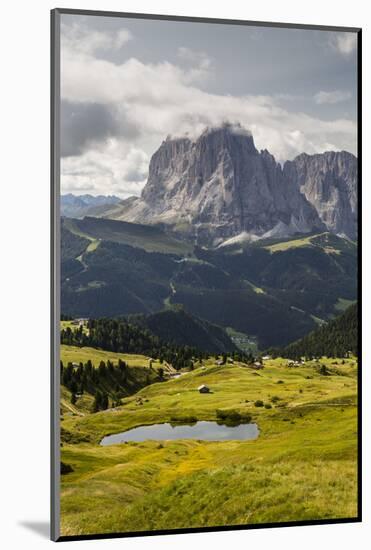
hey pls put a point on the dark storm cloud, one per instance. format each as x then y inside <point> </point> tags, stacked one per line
<point>83,124</point>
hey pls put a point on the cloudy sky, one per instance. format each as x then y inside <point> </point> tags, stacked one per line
<point>128,83</point>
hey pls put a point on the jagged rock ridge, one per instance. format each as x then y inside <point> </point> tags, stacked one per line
<point>329,182</point>
<point>220,186</point>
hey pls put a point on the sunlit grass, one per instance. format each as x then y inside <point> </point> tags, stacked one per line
<point>302,466</point>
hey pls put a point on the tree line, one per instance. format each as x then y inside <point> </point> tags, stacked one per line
<point>121,336</point>
<point>336,338</point>
<point>106,382</point>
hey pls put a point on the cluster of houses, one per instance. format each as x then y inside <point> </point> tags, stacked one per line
<point>296,363</point>
<point>221,362</point>
<point>81,322</point>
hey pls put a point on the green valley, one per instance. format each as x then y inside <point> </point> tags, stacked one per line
<point>271,291</point>
<point>302,466</point>
<point>156,331</point>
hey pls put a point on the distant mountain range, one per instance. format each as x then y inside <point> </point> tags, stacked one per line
<point>274,290</point>
<point>220,187</point>
<point>78,206</point>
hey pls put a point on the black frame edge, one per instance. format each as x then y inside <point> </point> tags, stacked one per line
<point>215,529</point>
<point>212,20</point>
<point>54,276</point>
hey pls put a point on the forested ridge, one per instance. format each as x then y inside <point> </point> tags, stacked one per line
<point>123,337</point>
<point>105,381</point>
<point>334,339</point>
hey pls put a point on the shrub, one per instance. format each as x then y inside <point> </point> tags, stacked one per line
<point>259,403</point>
<point>65,468</point>
<point>231,417</point>
<point>268,406</point>
<point>275,398</point>
<point>183,419</point>
<point>324,371</point>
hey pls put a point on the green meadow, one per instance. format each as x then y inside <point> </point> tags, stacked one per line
<point>303,465</point>
<point>75,354</point>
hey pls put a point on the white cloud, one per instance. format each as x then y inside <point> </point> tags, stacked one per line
<point>114,168</point>
<point>344,42</point>
<point>77,39</point>
<point>163,98</point>
<point>335,96</point>
<point>196,65</point>
<point>200,58</point>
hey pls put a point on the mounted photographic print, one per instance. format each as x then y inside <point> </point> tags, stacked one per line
<point>205,286</point>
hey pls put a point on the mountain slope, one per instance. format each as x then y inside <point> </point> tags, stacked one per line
<point>179,327</point>
<point>146,237</point>
<point>274,290</point>
<point>335,339</point>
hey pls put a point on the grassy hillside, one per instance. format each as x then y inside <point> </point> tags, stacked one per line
<point>76,354</point>
<point>147,237</point>
<point>83,405</point>
<point>72,245</point>
<point>330,243</point>
<point>302,466</point>
<point>117,375</point>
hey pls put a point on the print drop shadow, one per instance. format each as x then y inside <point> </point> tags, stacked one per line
<point>41,528</point>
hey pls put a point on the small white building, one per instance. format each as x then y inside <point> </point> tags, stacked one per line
<point>81,322</point>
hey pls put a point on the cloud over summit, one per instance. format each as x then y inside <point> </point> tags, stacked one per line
<point>115,113</point>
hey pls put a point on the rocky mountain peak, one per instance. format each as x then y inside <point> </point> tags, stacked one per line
<point>227,136</point>
<point>219,186</point>
<point>329,182</point>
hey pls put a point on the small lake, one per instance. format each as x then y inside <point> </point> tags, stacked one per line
<point>206,431</point>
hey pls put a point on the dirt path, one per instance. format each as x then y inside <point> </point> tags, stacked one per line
<point>71,408</point>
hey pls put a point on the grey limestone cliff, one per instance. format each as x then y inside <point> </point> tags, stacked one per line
<point>220,187</point>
